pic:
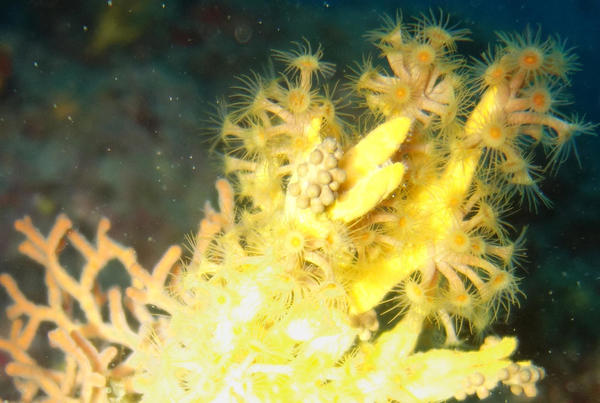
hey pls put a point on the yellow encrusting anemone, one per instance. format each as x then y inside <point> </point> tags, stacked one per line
<point>319,225</point>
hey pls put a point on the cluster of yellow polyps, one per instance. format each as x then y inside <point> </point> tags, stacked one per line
<point>277,302</point>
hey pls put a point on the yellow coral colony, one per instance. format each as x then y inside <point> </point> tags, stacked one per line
<point>322,224</point>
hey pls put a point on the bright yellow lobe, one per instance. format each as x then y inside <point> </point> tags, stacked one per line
<point>435,203</point>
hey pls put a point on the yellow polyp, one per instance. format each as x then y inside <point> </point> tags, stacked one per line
<point>373,150</point>
<point>367,193</point>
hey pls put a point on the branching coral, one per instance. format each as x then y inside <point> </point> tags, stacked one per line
<point>322,222</point>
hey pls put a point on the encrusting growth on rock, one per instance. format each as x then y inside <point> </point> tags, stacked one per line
<point>319,224</point>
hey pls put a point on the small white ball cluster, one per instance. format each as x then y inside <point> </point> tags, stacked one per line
<point>520,378</point>
<point>319,178</point>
